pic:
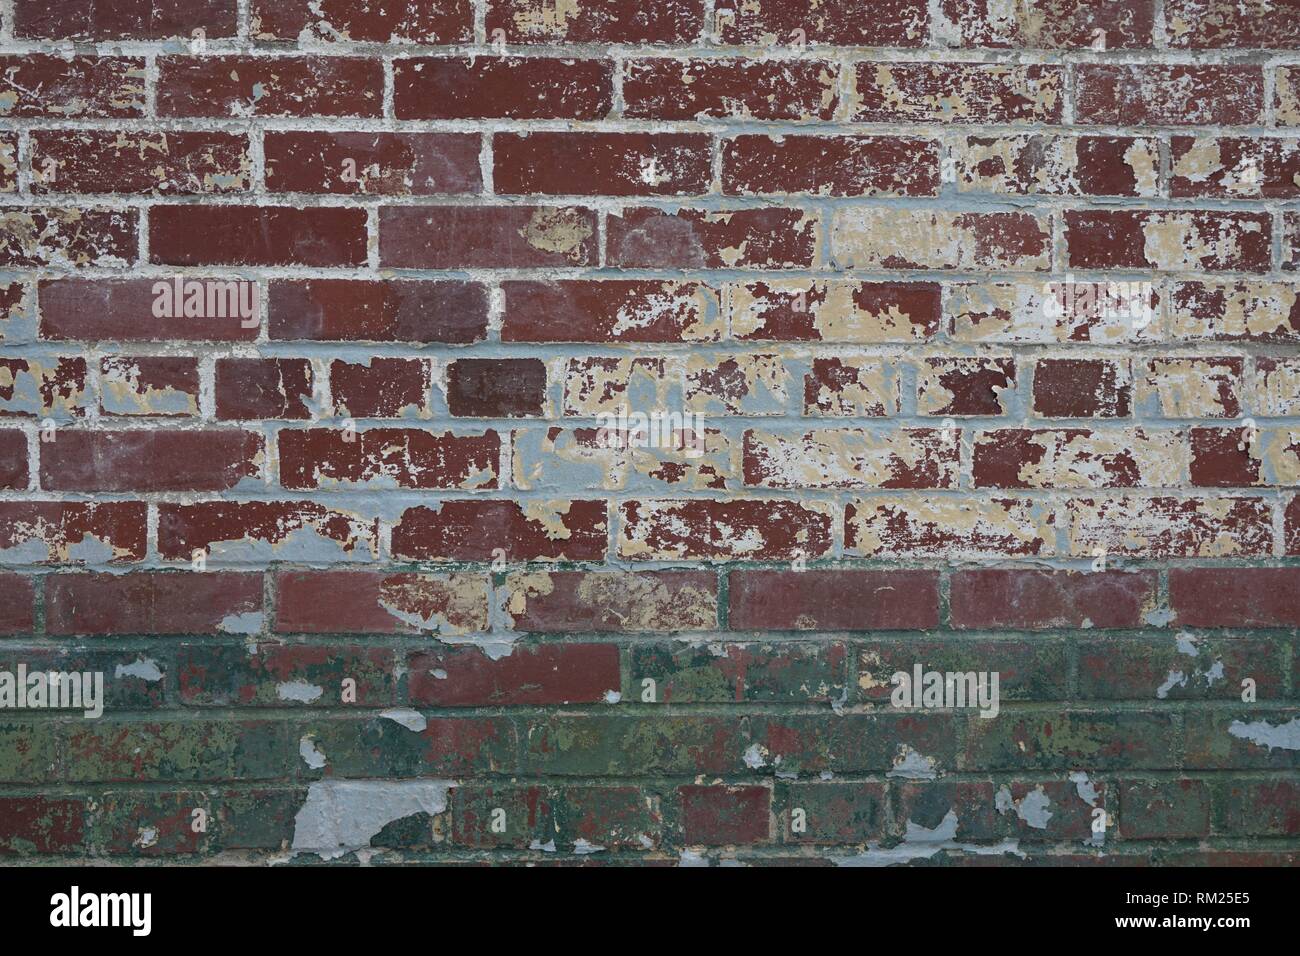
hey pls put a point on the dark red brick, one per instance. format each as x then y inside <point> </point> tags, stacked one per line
<point>1152,94</point>
<point>358,310</point>
<point>535,675</point>
<point>900,23</point>
<point>1235,597</point>
<point>601,164</point>
<point>721,815</point>
<point>1038,600</point>
<point>401,457</point>
<point>123,310</point>
<point>496,388</point>
<point>236,85</point>
<point>17,600</point>
<point>381,388</point>
<point>1117,239</point>
<point>154,460</point>
<point>833,600</point>
<point>161,163</point>
<point>382,164</point>
<point>428,21</point>
<point>486,237</point>
<point>477,530</point>
<point>45,84</point>
<point>151,602</point>
<point>619,310</point>
<point>1082,388</point>
<point>675,89</point>
<point>490,87</point>
<point>645,238</point>
<point>830,166</point>
<point>248,389</point>
<point>257,236</point>
<point>597,21</point>
<point>73,531</point>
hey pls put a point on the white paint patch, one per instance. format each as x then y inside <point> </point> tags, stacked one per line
<point>410,719</point>
<point>310,754</point>
<point>342,816</point>
<point>143,668</point>
<point>250,622</point>
<point>921,843</point>
<point>755,757</point>
<point>1284,736</point>
<point>911,765</point>
<point>1085,788</point>
<point>582,846</point>
<point>612,697</point>
<point>547,847</point>
<point>299,690</point>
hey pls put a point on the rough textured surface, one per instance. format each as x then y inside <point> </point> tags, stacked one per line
<point>330,333</point>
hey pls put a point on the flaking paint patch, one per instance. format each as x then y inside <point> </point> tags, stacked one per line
<point>342,816</point>
<point>312,755</point>
<point>408,718</point>
<point>142,667</point>
<point>922,843</point>
<point>1283,736</point>
<point>300,691</point>
<point>911,765</point>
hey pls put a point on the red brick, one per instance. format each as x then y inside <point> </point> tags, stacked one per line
<point>218,528</point>
<point>370,602</point>
<point>847,23</point>
<point>1235,311</point>
<point>151,602</point>
<point>1117,239</point>
<point>395,457</point>
<point>257,236</point>
<point>149,386</point>
<point>382,164</point>
<point>597,21</point>
<point>742,529</point>
<point>1151,94</point>
<point>1234,167</point>
<point>1078,458</point>
<point>481,530</point>
<point>1291,533</point>
<point>1223,458</point>
<point>959,92</point>
<point>601,164</point>
<point>643,238</point>
<point>72,532</point>
<point>153,460</point>
<point>1082,388</point>
<point>125,19</point>
<point>496,388</point>
<point>34,237</point>
<point>830,166</point>
<point>848,600</point>
<point>248,389</point>
<point>381,388</point>
<point>429,21</point>
<point>1053,24</point>
<point>486,237</point>
<point>17,599</point>
<point>545,674</point>
<point>1059,165</point>
<point>1041,600</point>
<point>54,386</point>
<point>947,528</point>
<point>1164,527</point>
<point>1235,597</point>
<point>793,312</point>
<point>44,84</point>
<point>235,85</point>
<point>42,824</point>
<point>225,675</point>
<point>13,459</point>
<point>116,161</point>
<point>122,310</point>
<point>1222,24</point>
<point>965,386</point>
<point>491,87</point>
<point>612,601</point>
<point>722,815</point>
<point>620,310</point>
<point>684,89</point>
<point>358,310</point>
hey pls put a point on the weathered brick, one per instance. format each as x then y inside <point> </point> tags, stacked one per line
<point>48,85</point>
<point>42,237</point>
<point>371,602</point>
<point>1165,527</point>
<point>832,813</point>
<point>1235,597</point>
<point>1052,24</point>
<point>1201,387</point>
<point>958,93</point>
<point>1082,388</point>
<point>44,387</point>
<point>1058,165</point>
<point>162,163</point>
<point>153,460</point>
<point>1079,458</point>
<point>639,237</point>
<point>1177,240</point>
<point>899,23</point>
<point>430,21</point>
<point>742,529</point>
<point>619,310</point>
<point>720,815</point>
<point>1062,740</point>
<point>867,238</point>
<point>44,824</point>
<point>384,164</point>
<point>1163,810</point>
<point>467,237</point>
<point>597,21</point>
<point>965,386</point>
<point>834,311</point>
<point>1217,24</point>
<point>947,527</point>
<point>122,751</point>
<point>833,600</point>
<point>1259,808</point>
<point>850,458</point>
<point>17,595</point>
<point>830,166</point>
<point>810,672</point>
<point>603,602</point>
<point>601,164</point>
<point>237,85</point>
<point>1027,670</point>
<point>1179,666</point>
<point>851,386</point>
<point>125,20</point>
<point>1235,311</point>
<point>392,457</point>
<point>149,386</point>
<point>1039,600</point>
<point>542,674</point>
<point>483,530</point>
<point>13,459</point>
<point>1234,167</point>
<point>154,602</point>
<point>263,530</point>
<point>381,388</point>
<point>72,532</point>
<point>684,89</point>
<point>254,388</point>
<point>584,818</point>
<point>1168,95</point>
<point>284,675</point>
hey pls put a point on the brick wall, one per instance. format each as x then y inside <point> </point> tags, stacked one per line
<point>990,314</point>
